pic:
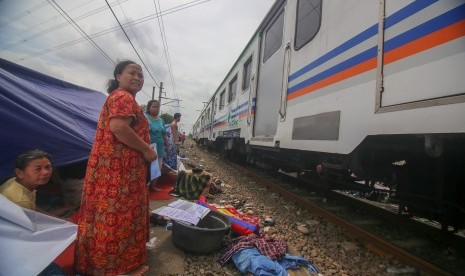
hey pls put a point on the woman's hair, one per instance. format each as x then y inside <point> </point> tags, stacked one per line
<point>149,104</point>
<point>113,83</point>
<point>23,160</point>
<point>177,115</point>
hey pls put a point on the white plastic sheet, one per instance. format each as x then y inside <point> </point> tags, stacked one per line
<point>29,240</point>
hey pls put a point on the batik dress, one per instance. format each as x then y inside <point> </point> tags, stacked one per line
<point>113,223</point>
<point>171,158</point>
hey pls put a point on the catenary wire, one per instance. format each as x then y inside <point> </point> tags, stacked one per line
<point>81,31</point>
<point>165,45</point>
<point>130,42</point>
<point>95,11</point>
<point>137,39</point>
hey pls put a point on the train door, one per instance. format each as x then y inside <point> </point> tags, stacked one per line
<point>270,77</point>
<point>412,48</point>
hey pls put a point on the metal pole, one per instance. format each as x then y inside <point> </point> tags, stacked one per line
<point>159,94</point>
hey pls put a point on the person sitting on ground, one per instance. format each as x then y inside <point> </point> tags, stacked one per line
<point>192,184</point>
<point>32,169</point>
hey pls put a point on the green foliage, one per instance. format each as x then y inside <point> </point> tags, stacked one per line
<point>167,118</point>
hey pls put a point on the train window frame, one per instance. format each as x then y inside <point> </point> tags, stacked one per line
<point>267,53</point>
<point>246,74</point>
<point>232,91</point>
<point>298,22</point>
<point>222,99</point>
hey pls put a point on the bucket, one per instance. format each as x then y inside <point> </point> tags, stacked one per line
<point>205,237</point>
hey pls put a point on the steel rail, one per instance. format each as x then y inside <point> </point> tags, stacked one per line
<point>373,243</point>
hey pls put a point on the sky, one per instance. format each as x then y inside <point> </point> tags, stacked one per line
<point>190,47</point>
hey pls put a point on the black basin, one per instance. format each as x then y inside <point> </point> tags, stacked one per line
<point>205,237</point>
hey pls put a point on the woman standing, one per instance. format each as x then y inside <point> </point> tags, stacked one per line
<point>113,223</point>
<point>171,159</point>
<point>157,136</point>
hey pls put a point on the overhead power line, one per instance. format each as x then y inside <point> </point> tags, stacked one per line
<point>77,28</point>
<point>165,44</point>
<point>55,27</point>
<point>137,39</point>
<point>131,44</point>
<point>112,29</point>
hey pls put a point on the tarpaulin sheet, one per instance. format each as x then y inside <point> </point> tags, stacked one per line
<point>29,240</point>
<point>41,112</point>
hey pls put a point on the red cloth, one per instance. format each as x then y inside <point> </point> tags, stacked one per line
<point>66,259</point>
<point>114,218</point>
<point>165,185</point>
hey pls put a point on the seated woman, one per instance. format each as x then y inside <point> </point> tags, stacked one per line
<point>192,184</point>
<point>32,169</point>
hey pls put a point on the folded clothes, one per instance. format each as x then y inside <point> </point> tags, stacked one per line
<point>241,224</point>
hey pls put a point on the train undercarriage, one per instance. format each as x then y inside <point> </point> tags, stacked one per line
<point>423,174</point>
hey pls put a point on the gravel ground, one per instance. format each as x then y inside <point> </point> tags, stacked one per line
<point>307,235</point>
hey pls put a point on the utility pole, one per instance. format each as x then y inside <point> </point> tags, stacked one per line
<point>153,92</point>
<point>161,91</point>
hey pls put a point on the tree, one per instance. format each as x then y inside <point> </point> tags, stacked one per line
<point>167,118</point>
<point>144,107</point>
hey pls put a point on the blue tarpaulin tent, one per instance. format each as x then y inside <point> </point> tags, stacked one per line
<point>41,112</point>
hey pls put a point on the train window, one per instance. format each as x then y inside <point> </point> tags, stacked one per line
<point>247,73</point>
<point>274,37</point>
<point>222,98</point>
<point>232,89</point>
<point>214,106</point>
<point>308,22</point>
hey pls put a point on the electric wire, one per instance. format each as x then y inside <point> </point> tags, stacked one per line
<point>25,13</point>
<point>55,27</point>
<point>161,26</point>
<point>137,53</point>
<point>81,31</point>
<point>165,45</point>
<point>112,29</point>
<point>135,36</point>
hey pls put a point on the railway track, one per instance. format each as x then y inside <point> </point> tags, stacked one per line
<point>423,247</point>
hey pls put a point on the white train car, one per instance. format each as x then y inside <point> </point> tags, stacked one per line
<point>374,88</point>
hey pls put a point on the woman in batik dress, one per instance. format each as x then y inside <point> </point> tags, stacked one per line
<point>113,221</point>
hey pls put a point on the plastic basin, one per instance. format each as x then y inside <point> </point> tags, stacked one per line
<point>205,237</point>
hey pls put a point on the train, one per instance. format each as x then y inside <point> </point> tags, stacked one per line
<point>372,90</point>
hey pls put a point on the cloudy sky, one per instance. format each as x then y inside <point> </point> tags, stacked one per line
<point>201,41</point>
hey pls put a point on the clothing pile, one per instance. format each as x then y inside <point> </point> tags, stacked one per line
<point>262,255</point>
